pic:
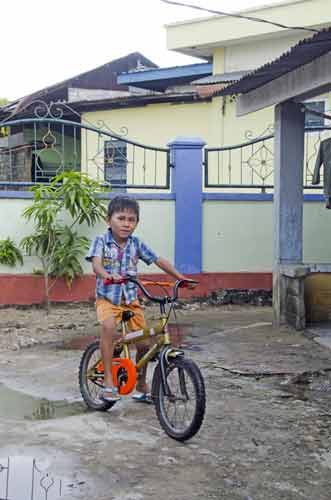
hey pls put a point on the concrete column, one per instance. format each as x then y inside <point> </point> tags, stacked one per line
<point>288,197</point>
<point>186,154</point>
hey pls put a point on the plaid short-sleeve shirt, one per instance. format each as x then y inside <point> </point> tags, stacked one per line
<point>118,260</point>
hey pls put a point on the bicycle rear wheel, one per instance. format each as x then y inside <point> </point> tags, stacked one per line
<point>91,378</point>
<point>181,413</point>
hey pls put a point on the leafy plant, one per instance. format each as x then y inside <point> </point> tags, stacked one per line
<point>3,130</point>
<point>10,255</point>
<point>66,261</point>
<point>57,244</point>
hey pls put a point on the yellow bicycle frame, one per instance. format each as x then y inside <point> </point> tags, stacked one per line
<point>159,330</point>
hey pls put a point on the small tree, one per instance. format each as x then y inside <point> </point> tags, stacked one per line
<point>3,130</point>
<point>57,244</point>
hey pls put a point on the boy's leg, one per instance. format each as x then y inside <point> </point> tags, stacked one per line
<point>107,315</point>
<point>138,323</point>
<point>142,386</point>
<point>108,333</point>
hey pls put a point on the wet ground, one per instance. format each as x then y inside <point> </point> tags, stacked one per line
<point>266,433</point>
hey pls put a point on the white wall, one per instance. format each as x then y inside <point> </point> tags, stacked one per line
<point>256,53</point>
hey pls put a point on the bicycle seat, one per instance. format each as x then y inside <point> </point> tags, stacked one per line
<point>127,315</point>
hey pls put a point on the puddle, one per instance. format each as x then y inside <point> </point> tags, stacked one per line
<point>321,333</point>
<point>16,404</point>
<point>79,343</point>
<point>286,391</point>
<point>178,336</point>
<point>297,392</point>
<point>29,478</point>
<point>314,388</point>
<point>24,478</point>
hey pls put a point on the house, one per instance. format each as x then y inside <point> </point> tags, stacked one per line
<point>153,105</point>
<point>124,138</point>
<point>27,153</point>
<point>181,105</point>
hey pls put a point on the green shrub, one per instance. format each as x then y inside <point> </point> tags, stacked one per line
<point>10,255</point>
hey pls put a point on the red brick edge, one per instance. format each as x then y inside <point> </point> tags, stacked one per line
<point>27,289</point>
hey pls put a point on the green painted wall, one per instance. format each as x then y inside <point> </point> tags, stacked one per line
<point>239,236</point>
<point>156,228</point>
<point>317,233</point>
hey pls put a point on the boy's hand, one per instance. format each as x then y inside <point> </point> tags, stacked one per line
<point>113,279</point>
<point>117,278</point>
<point>188,283</point>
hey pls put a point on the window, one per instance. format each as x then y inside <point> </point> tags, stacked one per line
<point>312,120</point>
<point>115,157</point>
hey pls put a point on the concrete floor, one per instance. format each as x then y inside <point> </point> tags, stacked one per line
<point>266,433</point>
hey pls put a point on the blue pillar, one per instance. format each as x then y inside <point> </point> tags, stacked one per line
<point>288,303</point>
<point>186,154</point>
<point>288,197</point>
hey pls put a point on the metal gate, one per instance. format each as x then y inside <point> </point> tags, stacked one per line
<point>44,142</point>
<point>249,166</point>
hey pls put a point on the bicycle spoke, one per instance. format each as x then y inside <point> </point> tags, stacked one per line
<point>94,380</point>
<point>182,382</point>
<point>179,408</point>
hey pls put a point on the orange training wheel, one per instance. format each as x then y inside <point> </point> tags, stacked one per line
<point>131,374</point>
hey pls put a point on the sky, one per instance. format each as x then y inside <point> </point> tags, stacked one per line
<point>46,42</point>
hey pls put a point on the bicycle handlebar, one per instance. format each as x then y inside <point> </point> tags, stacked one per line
<point>178,284</point>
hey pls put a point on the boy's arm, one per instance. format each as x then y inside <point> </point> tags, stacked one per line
<point>168,268</point>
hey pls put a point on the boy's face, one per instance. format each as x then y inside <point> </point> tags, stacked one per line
<point>122,224</point>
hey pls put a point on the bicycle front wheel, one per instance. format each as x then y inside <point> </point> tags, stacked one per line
<point>181,412</point>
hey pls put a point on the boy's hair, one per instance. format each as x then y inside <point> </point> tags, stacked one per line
<point>120,203</point>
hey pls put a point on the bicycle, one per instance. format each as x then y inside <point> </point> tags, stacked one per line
<point>178,390</point>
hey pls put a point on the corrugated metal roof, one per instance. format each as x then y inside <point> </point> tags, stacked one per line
<point>304,52</point>
<point>162,78</point>
<point>220,78</point>
<point>103,77</point>
<point>137,100</point>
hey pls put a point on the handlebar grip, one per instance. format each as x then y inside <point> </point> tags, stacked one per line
<point>187,283</point>
<point>111,281</point>
<point>108,281</point>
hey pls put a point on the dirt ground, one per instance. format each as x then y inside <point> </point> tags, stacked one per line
<point>266,433</point>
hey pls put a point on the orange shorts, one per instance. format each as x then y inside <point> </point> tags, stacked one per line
<point>106,309</point>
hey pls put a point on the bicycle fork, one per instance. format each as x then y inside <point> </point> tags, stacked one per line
<point>166,355</point>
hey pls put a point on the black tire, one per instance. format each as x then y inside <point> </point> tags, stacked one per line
<point>90,385</point>
<point>183,376</point>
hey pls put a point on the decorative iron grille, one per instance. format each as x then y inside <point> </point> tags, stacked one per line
<point>38,147</point>
<point>250,165</point>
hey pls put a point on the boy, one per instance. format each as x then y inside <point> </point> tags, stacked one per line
<point>113,255</point>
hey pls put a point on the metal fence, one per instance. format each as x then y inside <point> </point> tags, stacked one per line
<point>250,165</point>
<point>38,147</point>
